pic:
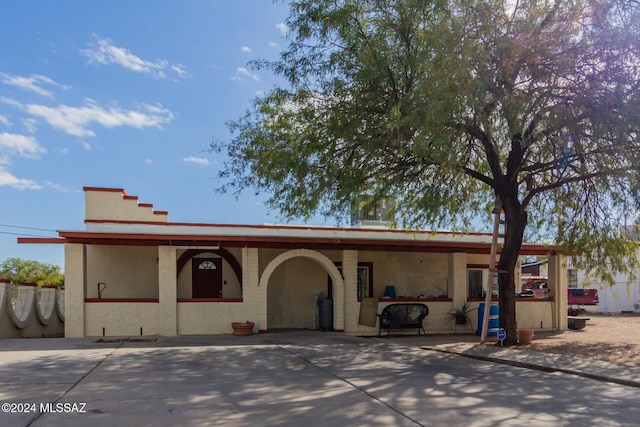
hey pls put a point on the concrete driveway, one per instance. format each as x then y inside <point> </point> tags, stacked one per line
<point>304,378</point>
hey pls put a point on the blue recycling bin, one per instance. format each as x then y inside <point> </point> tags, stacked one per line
<point>494,320</point>
<point>390,291</point>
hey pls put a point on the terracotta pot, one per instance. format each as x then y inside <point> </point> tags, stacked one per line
<point>242,328</point>
<point>525,336</point>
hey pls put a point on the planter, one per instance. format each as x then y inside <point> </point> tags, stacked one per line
<point>461,319</point>
<point>242,328</point>
<point>525,336</point>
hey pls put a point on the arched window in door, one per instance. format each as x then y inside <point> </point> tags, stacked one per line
<point>207,265</point>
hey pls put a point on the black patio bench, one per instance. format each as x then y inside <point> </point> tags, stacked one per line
<point>403,316</point>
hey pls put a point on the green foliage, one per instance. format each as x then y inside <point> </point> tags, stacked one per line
<point>448,105</point>
<point>461,314</point>
<point>20,270</point>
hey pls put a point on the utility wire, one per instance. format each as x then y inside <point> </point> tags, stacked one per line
<point>24,235</point>
<point>26,228</point>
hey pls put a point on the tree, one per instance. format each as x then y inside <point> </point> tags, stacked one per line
<point>449,106</point>
<point>20,270</point>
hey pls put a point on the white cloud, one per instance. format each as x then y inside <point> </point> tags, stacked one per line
<point>30,125</point>
<point>86,145</point>
<point>56,187</point>
<point>148,161</point>
<point>9,180</point>
<point>106,53</point>
<point>12,144</point>
<point>76,120</point>
<point>4,120</point>
<point>282,27</point>
<point>180,70</point>
<point>63,151</point>
<point>246,49</point>
<point>243,74</point>
<point>197,160</point>
<point>11,102</point>
<point>33,83</point>
<point>273,44</point>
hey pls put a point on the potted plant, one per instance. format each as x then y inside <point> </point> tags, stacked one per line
<point>242,328</point>
<point>461,314</point>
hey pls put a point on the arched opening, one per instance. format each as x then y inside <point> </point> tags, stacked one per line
<point>294,280</point>
<point>212,273</point>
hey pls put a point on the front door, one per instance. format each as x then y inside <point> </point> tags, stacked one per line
<point>206,276</point>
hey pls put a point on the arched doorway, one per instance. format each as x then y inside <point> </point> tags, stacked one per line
<point>291,280</point>
<point>205,278</point>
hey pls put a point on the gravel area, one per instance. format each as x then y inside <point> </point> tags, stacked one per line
<point>614,339</point>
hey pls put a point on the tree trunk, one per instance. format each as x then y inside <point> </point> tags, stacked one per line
<point>516,222</point>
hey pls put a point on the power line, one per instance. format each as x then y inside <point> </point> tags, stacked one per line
<point>26,228</point>
<point>24,235</point>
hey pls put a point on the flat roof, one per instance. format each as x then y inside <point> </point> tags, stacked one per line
<point>140,233</point>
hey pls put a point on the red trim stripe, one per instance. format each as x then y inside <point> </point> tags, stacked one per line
<point>134,300</point>
<point>210,300</point>
<point>105,189</point>
<point>42,240</point>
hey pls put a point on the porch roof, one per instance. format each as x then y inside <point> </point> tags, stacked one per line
<point>110,232</point>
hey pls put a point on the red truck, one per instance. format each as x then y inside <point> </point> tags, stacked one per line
<point>583,296</point>
<point>538,287</point>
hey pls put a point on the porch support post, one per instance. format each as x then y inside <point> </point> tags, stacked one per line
<point>457,278</point>
<point>558,290</point>
<point>349,307</point>
<point>254,297</point>
<point>75,289</point>
<point>168,291</point>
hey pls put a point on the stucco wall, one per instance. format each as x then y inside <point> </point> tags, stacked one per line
<point>411,273</point>
<point>121,319</point>
<point>33,313</point>
<point>291,292</point>
<point>128,271</point>
<point>114,204</point>
<point>195,318</point>
<point>478,259</point>
<point>529,314</point>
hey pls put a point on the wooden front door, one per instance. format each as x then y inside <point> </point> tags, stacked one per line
<point>206,276</point>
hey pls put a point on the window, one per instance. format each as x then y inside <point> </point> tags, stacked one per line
<point>572,280</point>
<point>478,281</point>
<point>207,265</point>
<point>364,280</point>
<point>364,284</point>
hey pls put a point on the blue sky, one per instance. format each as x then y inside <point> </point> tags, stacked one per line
<point>125,94</point>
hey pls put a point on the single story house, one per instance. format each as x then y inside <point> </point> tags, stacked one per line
<point>132,272</point>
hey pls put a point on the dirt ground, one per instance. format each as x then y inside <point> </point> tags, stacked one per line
<point>614,339</point>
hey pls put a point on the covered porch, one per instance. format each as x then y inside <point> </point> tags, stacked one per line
<point>115,290</point>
